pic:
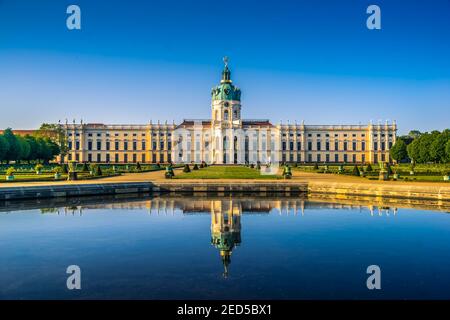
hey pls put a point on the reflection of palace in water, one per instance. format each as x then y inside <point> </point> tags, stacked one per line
<point>225,212</point>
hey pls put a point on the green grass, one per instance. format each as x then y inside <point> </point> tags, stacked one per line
<point>223,172</point>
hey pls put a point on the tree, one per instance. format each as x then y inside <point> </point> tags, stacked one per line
<point>398,151</point>
<point>25,148</point>
<point>437,147</point>
<point>56,134</point>
<point>34,148</point>
<point>4,146</point>
<point>447,151</point>
<point>14,149</point>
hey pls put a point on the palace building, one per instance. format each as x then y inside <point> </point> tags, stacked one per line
<point>227,138</point>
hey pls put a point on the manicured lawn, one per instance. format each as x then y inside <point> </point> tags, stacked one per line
<point>223,172</point>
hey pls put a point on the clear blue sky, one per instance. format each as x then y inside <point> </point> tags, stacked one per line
<point>300,60</point>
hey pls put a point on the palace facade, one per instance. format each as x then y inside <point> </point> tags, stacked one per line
<point>227,138</point>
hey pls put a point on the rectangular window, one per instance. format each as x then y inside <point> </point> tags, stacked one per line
<point>336,145</point>
<point>363,158</point>
<point>363,146</point>
<point>345,145</point>
<point>134,157</point>
<point>319,146</point>
<point>284,145</point>
<point>108,145</point>
<point>161,145</point>
<point>154,158</point>
<point>354,158</point>
<point>134,145</point>
<point>99,145</point>
<point>291,157</point>
<point>299,145</point>
<point>354,145</point>
<point>375,146</point>
<point>336,158</point>
<point>345,158</point>
<point>319,158</point>
<point>77,157</point>
<point>116,157</point>
<point>143,145</point>
<point>383,146</point>
<point>327,146</point>
<point>309,145</point>
<point>169,157</point>
<point>154,145</point>
<point>291,145</point>
<point>327,158</point>
<point>116,145</point>
<point>143,158</point>
<point>309,157</point>
<point>169,145</point>
<point>89,157</point>
<point>125,158</point>
<point>69,145</point>
<point>125,145</point>
<point>89,145</point>
<point>107,158</point>
<point>99,157</point>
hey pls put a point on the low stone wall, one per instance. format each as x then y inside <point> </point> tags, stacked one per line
<point>435,193</point>
<point>76,190</point>
<point>426,192</point>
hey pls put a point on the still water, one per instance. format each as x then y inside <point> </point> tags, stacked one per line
<point>233,247</point>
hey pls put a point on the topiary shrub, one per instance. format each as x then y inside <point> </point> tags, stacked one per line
<point>85,167</point>
<point>138,167</point>
<point>258,165</point>
<point>195,167</point>
<point>98,171</point>
<point>316,166</point>
<point>201,165</point>
<point>355,171</point>
<point>158,165</point>
<point>252,166</point>
<point>186,168</point>
<point>369,168</point>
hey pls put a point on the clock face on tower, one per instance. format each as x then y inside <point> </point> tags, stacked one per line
<point>226,104</point>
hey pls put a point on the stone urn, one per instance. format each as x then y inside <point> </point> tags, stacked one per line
<point>384,173</point>
<point>57,176</point>
<point>447,178</point>
<point>9,178</point>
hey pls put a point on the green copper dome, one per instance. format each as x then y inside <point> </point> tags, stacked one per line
<point>226,90</point>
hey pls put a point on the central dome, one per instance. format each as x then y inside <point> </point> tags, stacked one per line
<point>226,90</point>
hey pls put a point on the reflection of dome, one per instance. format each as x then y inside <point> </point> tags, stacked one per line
<point>225,230</point>
<point>226,90</point>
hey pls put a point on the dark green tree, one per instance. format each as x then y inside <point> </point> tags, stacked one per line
<point>14,149</point>
<point>447,151</point>
<point>398,151</point>
<point>355,171</point>
<point>4,146</point>
<point>186,168</point>
<point>437,147</point>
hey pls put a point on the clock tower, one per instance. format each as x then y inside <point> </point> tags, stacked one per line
<point>226,117</point>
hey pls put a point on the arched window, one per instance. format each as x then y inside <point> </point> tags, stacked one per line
<point>225,115</point>
<point>235,114</point>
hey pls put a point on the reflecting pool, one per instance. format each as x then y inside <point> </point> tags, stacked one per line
<point>224,247</point>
